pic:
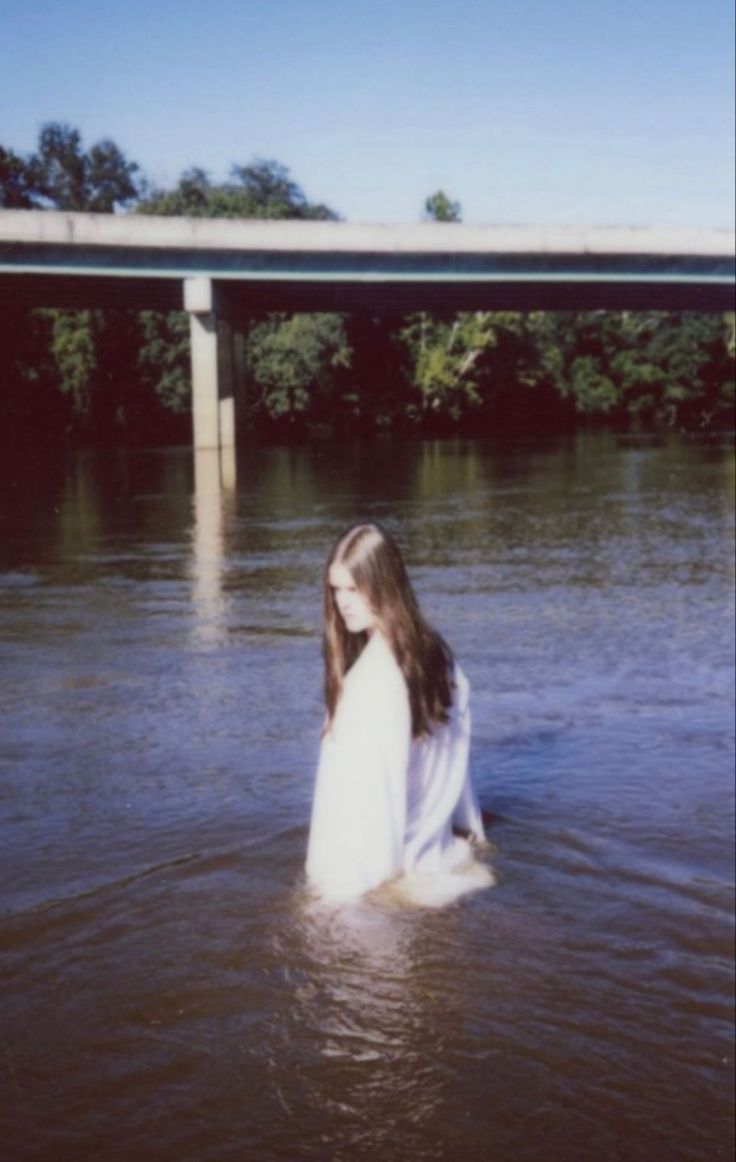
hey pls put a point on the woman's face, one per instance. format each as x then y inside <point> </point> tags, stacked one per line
<point>352,605</point>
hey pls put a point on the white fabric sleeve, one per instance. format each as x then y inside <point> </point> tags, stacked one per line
<point>359,812</point>
<point>467,814</point>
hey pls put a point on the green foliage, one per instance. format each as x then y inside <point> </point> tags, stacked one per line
<point>110,180</point>
<point>503,369</point>
<point>73,350</point>
<point>652,368</point>
<point>296,365</point>
<point>593,391</point>
<point>92,360</point>
<point>16,187</point>
<point>439,208</point>
<point>272,193</point>
<point>262,189</point>
<point>163,359</point>
<point>444,359</point>
<point>83,352</point>
<point>65,177</point>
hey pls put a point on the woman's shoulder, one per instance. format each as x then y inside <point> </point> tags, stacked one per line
<point>375,697</point>
<point>377,669</point>
<point>378,657</point>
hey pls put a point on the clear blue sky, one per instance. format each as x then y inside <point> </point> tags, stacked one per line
<point>575,111</point>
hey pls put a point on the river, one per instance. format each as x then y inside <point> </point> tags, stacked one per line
<point>168,993</point>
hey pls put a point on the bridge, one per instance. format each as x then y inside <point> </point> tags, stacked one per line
<point>221,271</point>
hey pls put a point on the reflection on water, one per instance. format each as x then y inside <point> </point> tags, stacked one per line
<point>214,485</point>
<point>372,1071</point>
<point>169,993</point>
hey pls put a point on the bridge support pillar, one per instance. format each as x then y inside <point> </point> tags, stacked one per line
<point>213,372</point>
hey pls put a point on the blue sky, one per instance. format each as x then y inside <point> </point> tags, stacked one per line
<point>527,111</point>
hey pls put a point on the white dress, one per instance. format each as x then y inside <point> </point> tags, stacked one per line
<point>384,804</point>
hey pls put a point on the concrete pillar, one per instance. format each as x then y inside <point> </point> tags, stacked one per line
<point>213,401</point>
<point>207,548</point>
<point>226,383</point>
<point>240,379</point>
<point>205,406</point>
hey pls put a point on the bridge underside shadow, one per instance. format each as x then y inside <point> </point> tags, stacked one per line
<point>224,273</point>
<point>262,296</point>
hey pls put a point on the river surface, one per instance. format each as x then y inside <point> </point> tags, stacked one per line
<point>168,993</point>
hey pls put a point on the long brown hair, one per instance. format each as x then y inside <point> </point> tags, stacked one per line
<point>375,563</point>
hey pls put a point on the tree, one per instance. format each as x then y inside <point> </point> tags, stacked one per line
<point>83,352</point>
<point>439,208</point>
<point>111,180</point>
<point>261,189</point>
<point>444,358</point>
<point>16,186</point>
<point>64,177</point>
<point>87,348</point>
<point>296,364</point>
<point>272,193</point>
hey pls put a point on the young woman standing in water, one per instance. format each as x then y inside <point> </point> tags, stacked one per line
<point>393,779</point>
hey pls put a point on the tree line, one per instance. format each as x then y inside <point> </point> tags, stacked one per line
<point>108,375</point>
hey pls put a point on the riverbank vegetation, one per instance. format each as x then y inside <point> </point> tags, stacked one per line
<point>107,376</point>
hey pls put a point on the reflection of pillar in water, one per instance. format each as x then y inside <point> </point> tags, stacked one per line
<point>214,476</point>
<point>228,467</point>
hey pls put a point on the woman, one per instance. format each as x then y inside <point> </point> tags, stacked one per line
<point>393,773</point>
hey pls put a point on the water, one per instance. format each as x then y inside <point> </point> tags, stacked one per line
<point>168,992</point>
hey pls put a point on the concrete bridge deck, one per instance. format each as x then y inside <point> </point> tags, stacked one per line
<point>221,270</point>
<point>60,259</point>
